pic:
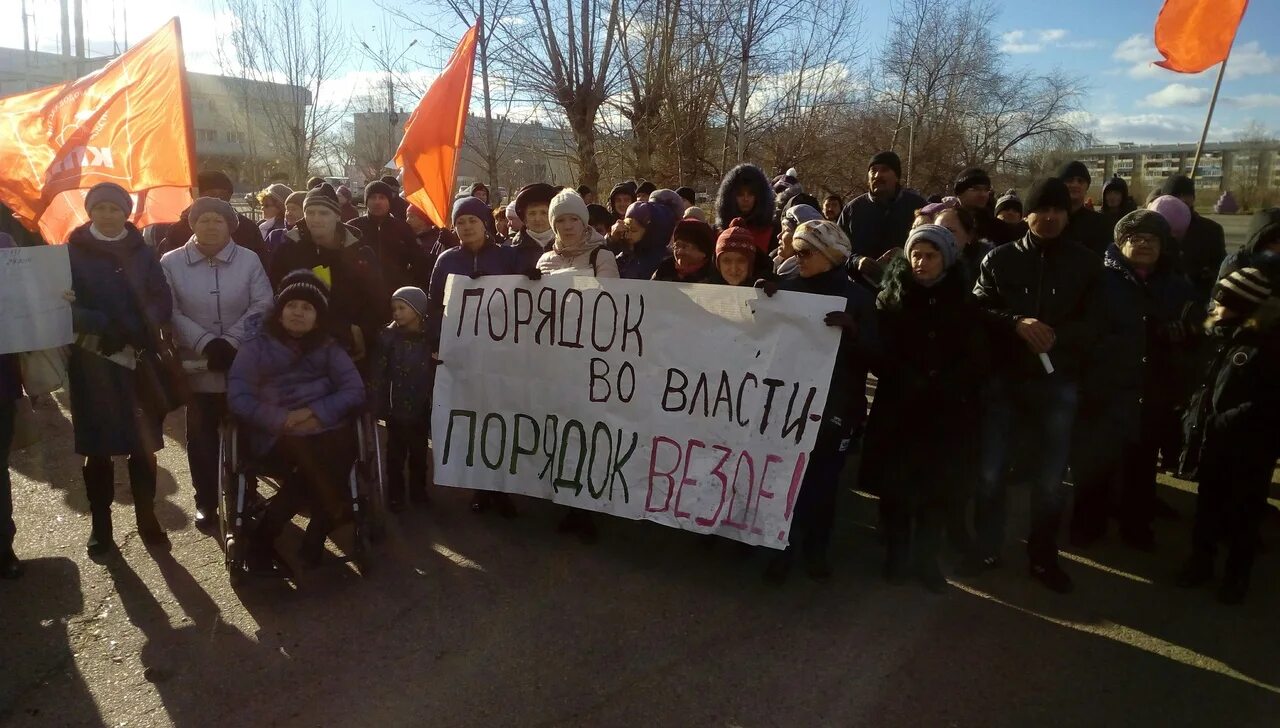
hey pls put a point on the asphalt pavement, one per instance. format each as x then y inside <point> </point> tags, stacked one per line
<point>479,621</point>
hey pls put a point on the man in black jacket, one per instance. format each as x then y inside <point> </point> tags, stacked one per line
<point>877,223</point>
<point>215,184</point>
<point>1041,296</point>
<point>1085,226</point>
<point>1204,245</point>
<point>390,237</point>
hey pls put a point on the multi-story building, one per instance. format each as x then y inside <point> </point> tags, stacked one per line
<point>1223,165</point>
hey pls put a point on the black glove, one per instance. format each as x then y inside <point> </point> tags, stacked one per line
<point>769,287</point>
<point>843,320</point>
<point>220,354</point>
<point>476,274</point>
<point>533,274</point>
<point>112,341</point>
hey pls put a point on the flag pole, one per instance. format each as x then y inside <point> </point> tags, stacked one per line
<point>1204,133</point>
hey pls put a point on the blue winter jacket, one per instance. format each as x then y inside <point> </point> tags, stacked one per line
<point>272,376</point>
<point>491,260</point>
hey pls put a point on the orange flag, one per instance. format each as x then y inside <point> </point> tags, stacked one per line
<point>428,153</point>
<point>1193,35</point>
<point>127,123</point>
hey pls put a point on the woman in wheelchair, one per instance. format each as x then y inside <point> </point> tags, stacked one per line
<point>295,394</point>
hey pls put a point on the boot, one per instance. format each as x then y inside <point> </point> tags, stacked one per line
<point>142,481</point>
<point>101,543</point>
<point>99,485</point>
<point>1196,571</point>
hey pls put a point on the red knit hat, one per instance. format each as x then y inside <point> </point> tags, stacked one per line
<point>737,237</point>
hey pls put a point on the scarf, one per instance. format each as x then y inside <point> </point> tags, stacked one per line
<point>687,271</point>
<point>543,238</point>
<point>590,239</point>
<point>93,230</point>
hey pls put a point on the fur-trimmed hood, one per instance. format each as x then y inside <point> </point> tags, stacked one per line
<point>727,207</point>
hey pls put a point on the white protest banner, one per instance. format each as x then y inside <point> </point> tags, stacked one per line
<point>33,314</point>
<point>693,406</point>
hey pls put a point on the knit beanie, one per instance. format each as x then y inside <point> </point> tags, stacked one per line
<point>314,182</point>
<point>568,202</point>
<point>737,238</point>
<point>1009,200</point>
<point>670,200</point>
<point>1243,291</point>
<point>302,284</point>
<point>1073,169</point>
<point>391,181</point>
<point>296,198</point>
<point>413,297</point>
<point>212,204</point>
<point>1048,192</point>
<point>538,193</point>
<point>688,195</point>
<point>322,196</point>
<point>645,188</point>
<point>696,213</point>
<point>940,237</point>
<point>344,193</point>
<point>825,237</point>
<point>513,217</point>
<point>1178,185</point>
<point>889,159</point>
<point>379,188</point>
<point>278,192</point>
<point>599,215</point>
<point>971,177</point>
<point>213,180</point>
<point>1143,221</point>
<point>471,206</point>
<point>641,212</point>
<point>108,192</point>
<point>797,214</point>
<point>1175,212</point>
<point>698,233</point>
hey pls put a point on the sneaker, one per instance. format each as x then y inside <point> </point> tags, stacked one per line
<point>976,565</point>
<point>207,520</point>
<point>1196,572</point>
<point>1053,577</point>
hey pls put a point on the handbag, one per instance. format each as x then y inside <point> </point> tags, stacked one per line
<point>44,371</point>
<point>161,381</point>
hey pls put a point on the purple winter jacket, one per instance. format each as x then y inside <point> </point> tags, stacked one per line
<point>491,260</point>
<point>270,377</point>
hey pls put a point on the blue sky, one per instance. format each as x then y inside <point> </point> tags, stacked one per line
<point>1108,43</point>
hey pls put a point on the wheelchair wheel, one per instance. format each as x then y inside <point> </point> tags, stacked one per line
<point>230,519</point>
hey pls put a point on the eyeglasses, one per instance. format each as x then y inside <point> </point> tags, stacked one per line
<point>804,252</point>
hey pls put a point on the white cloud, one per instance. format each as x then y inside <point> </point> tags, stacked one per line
<point>1250,60</point>
<point>1137,48</point>
<point>1176,94</point>
<point>1139,128</point>
<point>1254,101</point>
<point>1033,41</point>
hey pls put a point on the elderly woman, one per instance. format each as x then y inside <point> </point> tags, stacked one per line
<point>273,209</point>
<point>220,294</point>
<point>823,249</point>
<point>1141,371</point>
<point>121,301</point>
<point>292,215</point>
<point>296,392</point>
<point>535,236</point>
<point>693,250</point>
<point>477,254</point>
<point>930,374</point>
<point>577,249</point>
<point>320,242</point>
<point>784,260</point>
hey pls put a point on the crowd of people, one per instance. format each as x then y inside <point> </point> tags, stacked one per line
<point>1013,339</point>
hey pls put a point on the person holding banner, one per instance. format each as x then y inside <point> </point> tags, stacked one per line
<point>476,255</point>
<point>823,250</point>
<point>693,249</point>
<point>577,249</point>
<point>643,236</point>
<point>121,301</point>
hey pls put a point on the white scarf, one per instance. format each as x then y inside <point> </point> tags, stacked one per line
<point>543,238</point>
<point>95,232</point>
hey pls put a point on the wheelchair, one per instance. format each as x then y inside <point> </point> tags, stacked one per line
<point>241,502</point>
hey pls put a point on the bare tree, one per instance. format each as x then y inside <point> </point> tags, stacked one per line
<point>648,42</point>
<point>290,51</point>
<point>568,61</point>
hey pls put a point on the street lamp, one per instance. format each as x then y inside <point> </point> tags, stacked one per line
<point>388,66</point>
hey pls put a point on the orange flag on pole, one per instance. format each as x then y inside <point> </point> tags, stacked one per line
<point>1193,35</point>
<point>428,153</point>
<point>127,123</point>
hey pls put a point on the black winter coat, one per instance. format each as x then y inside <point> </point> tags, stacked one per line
<point>847,397</point>
<point>922,432</point>
<point>1138,373</point>
<point>1053,281</point>
<point>1202,250</point>
<point>393,241</point>
<point>1233,420</point>
<point>1089,228</point>
<point>875,227</point>
<point>357,295</point>
<point>120,289</point>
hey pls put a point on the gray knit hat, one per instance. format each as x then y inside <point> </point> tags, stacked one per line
<point>213,204</point>
<point>413,297</point>
<point>1143,221</point>
<point>797,214</point>
<point>940,237</point>
<point>109,192</point>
